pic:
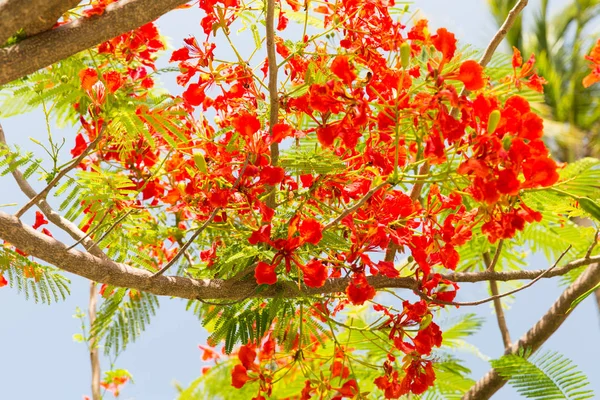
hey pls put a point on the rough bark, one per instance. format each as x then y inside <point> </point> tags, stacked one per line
<point>103,270</point>
<point>32,16</point>
<point>539,333</point>
<point>54,45</point>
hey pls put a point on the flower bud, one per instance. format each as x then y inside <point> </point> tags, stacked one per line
<point>493,121</point>
<point>405,55</point>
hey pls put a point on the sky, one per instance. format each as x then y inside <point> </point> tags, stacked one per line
<point>40,359</point>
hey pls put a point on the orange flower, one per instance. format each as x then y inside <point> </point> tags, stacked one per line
<point>471,74</point>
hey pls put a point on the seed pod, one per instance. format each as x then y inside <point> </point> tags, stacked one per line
<point>589,206</point>
<point>200,162</point>
<point>405,55</point>
<point>493,121</point>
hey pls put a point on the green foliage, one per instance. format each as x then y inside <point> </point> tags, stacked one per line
<point>43,283</point>
<point>121,319</point>
<point>11,160</point>
<point>544,377</point>
<point>244,321</point>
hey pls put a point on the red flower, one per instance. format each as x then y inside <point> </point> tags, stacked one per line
<point>343,70</point>
<point>3,281</point>
<point>113,80</point>
<point>195,94</point>
<point>445,42</point>
<point>428,338</point>
<point>239,376</point>
<point>282,21</point>
<point>508,182</point>
<point>349,389</point>
<point>39,220</point>
<point>419,376</point>
<point>311,231</point>
<point>265,274</point>
<point>517,59</point>
<point>471,74</point>
<point>88,78</point>
<point>80,146</point>
<point>246,124</point>
<point>208,353</point>
<point>247,355</point>
<point>359,290</point>
<point>540,172</point>
<point>272,175</point>
<point>281,131</point>
<point>315,274</point>
<point>387,268</point>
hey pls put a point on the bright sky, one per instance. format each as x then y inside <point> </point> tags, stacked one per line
<point>39,359</point>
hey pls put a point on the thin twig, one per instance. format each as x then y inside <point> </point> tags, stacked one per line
<point>91,232</point>
<point>499,36</point>
<point>492,298</point>
<point>490,266</point>
<point>53,216</point>
<point>356,206</point>
<point>415,193</point>
<point>113,226</point>
<point>593,245</point>
<point>500,317</point>
<point>212,216</point>
<point>60,174</point>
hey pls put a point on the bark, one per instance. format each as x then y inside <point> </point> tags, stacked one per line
<point>539,333</point>
<point>51,46</point>
<point>32,16</point>
<point>104,270</point>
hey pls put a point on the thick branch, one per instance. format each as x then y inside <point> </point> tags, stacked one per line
<point>107,271</point>
<point>57,44</point>
<point>32,16</point>
<point>94,356</point>
<point>273,95</point>
<point>539,333</point>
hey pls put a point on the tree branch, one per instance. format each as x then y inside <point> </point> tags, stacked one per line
<point>273,95</point>
<point>94,356</point>
<point>53,216</point>
<point>539,333</point>
<point>32,16</point>
<point>42,195</point>
<point>501,34</point>
<point>54,45</point>
<point>491,264</point>
<point>112,273</point>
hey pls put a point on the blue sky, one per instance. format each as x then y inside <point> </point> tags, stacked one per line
<point>39,359</point>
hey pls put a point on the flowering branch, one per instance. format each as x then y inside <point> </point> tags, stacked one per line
<point>54,45</point>
<point>107,271</point>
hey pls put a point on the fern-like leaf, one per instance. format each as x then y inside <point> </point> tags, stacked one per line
<point>548,376</point>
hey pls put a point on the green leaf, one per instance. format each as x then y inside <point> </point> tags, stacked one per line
<point>548,376</point>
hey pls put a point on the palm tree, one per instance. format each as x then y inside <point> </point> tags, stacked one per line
<point>560,41</point>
